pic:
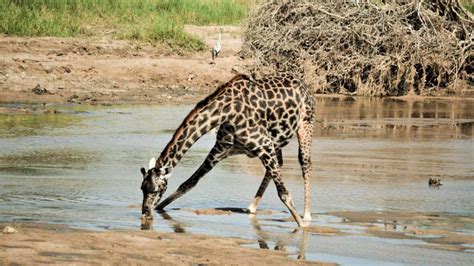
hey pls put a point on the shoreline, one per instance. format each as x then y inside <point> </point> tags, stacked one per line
<point>101,70</point>
<point>50,243</point>
<point>104,71</point>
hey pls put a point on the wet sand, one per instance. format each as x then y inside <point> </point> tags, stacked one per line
<point>446,232</point>
<point>46,244</point>
<point>49,243</point>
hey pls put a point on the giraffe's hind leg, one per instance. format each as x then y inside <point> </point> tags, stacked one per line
<point>305,137</point>
<point>269,160</point>
<point>218,153</point>
<point>263,186</point>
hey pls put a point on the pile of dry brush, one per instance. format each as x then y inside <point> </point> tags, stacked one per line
<point>373,48</point>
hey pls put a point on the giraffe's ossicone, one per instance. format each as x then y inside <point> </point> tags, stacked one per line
<point>256,117</point>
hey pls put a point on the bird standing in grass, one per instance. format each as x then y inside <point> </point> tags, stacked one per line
<point>217,47</point>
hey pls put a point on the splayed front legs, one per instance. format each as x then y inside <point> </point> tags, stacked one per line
<point>218,152</point>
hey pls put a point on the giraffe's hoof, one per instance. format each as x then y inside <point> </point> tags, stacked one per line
<point>304,223</point>
<point>252,209</point>
<point>146,224</point>
<point>307,218</point>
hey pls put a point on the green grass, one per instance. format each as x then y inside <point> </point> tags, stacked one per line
<point>468,5</point>
<point>470,8</point>
<point>153,20</point>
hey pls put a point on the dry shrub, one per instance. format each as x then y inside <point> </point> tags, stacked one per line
<point>383,48</point>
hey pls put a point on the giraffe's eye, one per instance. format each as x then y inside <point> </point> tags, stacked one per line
<point>149,187</point>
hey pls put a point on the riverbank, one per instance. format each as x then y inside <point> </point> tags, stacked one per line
<point>416,235</point>
<point>102,70</point>
<point>46,243</point>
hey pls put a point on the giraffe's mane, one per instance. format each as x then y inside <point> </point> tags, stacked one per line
<point>200,106</point>
<point>220,90</point>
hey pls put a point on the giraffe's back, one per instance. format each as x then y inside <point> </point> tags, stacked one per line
<point>285,105</point>
<point>272,106</point>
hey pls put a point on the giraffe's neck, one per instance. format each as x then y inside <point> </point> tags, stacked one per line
<point>204,117</point>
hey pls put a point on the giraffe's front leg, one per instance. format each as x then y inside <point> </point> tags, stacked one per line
<point>263,186</point>
<point>258,196</point>
<point>217,153</point>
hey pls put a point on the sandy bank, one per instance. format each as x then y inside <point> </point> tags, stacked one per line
<point>42,244</point>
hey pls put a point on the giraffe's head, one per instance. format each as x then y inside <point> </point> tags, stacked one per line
<point>154,184</point>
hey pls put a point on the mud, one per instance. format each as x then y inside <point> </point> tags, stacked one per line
<point>44,244</point>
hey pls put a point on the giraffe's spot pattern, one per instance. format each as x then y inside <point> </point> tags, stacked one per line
<point>256,118</point>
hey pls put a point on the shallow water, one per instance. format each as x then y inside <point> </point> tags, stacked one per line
<point>81,167</point>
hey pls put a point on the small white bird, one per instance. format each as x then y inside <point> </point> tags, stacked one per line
<point>217,47</point>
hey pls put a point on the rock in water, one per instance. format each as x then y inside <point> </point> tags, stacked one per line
<point>38,90</point>
<point>9,230</point>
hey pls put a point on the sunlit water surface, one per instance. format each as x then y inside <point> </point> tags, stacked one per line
<point>81,167</point>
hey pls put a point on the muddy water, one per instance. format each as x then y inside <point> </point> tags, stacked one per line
<point>371,202</point>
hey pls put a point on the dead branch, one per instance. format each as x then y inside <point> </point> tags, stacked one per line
<point>393,48</point>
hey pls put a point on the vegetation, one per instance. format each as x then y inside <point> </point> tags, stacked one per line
<point>394,48</point>
<point>154,20</point>
<point>150,20</point>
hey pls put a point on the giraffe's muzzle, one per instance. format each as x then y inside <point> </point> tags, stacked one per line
<point>150,201</point>
<point>147,213</point>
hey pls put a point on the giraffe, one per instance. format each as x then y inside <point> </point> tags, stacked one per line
<point>256,117</point>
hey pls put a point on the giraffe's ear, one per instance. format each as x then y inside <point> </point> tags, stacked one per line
<point>143,171</point>
<point>152,163</point>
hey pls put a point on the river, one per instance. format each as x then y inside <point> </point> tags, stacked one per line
<point>79,165</point>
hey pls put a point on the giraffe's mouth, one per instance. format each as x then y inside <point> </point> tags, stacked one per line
<point>147,210</point>
<point>149,205</point>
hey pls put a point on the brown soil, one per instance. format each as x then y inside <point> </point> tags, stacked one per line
<point>44,244</point>
<point>102,70</point>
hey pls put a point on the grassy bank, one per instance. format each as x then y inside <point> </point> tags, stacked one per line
<point>154,20</point>
<point>470,7</point>
<point>151,20</point>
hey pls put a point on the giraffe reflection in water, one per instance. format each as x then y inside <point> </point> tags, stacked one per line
<point>263,237</point>
<point>177,227</point>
